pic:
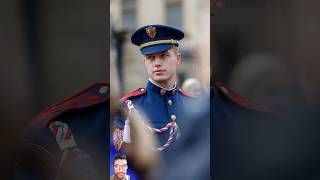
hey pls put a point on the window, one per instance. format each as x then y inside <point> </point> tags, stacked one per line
<point>129,14</point>
<point>174,13</point>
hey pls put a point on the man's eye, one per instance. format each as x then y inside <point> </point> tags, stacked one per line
<point>150,57</point>
<point>164,55</point>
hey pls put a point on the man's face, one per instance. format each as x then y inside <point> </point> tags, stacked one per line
<point>161,67</point>
<point>120,168</point>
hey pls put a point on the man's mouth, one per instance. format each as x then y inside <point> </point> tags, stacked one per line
<point>158,71</point>
<point>120,174</point>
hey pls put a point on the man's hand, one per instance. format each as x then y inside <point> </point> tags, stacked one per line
<point>63,135</point>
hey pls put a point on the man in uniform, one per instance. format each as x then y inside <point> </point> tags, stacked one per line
<point>161,101</point>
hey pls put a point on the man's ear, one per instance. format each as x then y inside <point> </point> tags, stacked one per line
<point>179,58</point>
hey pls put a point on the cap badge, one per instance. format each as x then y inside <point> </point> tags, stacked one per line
<point>151,31</point>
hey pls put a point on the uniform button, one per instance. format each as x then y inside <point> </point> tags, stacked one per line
<point>103,90</point>
<point>169,102</point>
<point>173,117</point>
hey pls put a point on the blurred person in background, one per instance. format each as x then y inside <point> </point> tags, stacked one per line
<point>231,117</point>
<point>251,143</point>
<point>45,58</point>
<point>276,90</point>
<point>68,139</point>
<point>192,86</point>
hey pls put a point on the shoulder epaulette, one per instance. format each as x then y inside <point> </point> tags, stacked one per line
<point>95,94</point>
<point>134,93</point>
<point>184,92</point>
<point>237,99</point>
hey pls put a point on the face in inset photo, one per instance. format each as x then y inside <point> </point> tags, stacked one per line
<point>120,167</point>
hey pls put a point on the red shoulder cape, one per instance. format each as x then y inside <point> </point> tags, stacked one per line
<point>237,99</point>
<point>95,94</point>
<point>134,93</point>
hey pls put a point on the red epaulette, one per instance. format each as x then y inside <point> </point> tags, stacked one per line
<point>185,92</point>
<point>95,94</point>
<point>237,99</point>
<point>134,93</point>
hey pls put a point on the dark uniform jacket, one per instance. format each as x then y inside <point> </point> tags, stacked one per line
<point>247,142</point>
<point>159,106</point>
<point>86,114</point>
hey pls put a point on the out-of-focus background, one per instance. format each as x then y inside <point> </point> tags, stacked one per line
<point>126,16</point>
<point>268,50</point>
<point>48,51</point>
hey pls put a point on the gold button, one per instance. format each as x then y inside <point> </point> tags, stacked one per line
<point>173,117</point>
<point>169,102</point>
<point>103,90</point>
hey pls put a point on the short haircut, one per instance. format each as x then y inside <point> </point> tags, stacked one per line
<point>119,156</point>
<point>176,48</point>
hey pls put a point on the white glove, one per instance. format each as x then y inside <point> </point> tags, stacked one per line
<point>126,132</point>
<point>63,135</point>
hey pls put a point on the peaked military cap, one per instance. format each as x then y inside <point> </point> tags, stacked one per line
<point>156,38</point>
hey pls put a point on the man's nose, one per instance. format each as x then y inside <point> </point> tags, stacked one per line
<point>157,62</point>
